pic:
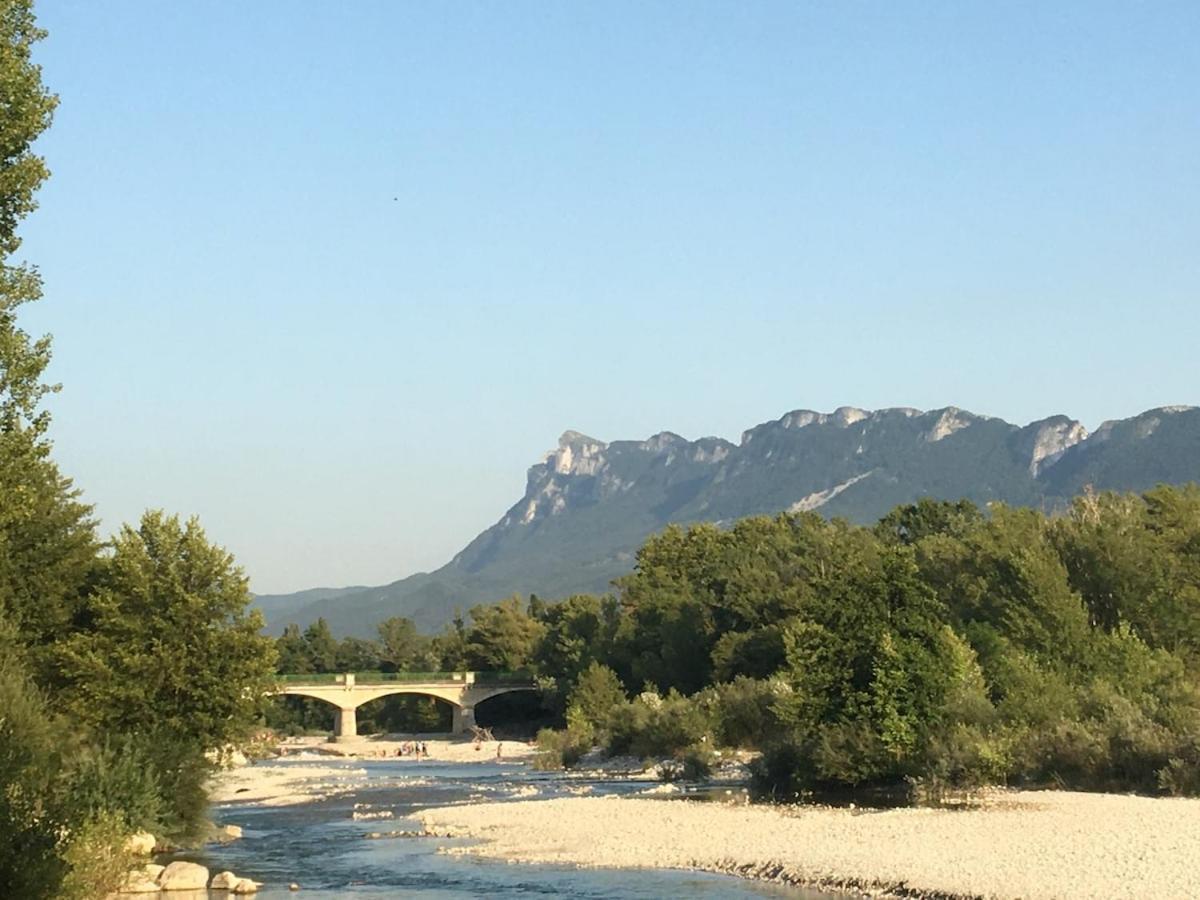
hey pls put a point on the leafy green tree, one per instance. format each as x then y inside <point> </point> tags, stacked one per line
<point>928,517</point>
<point>579,631</point>
<point>1134,562</point>
<point>402,647</point>
<point>291,650</point>
<point>450,647</point>
<point>502,636</point>
<point>357,655</point>
<point>171,644</point>
<point>595,697</point>
<point>31,821</point>
<point>47,544</point>
<point>321,646</point>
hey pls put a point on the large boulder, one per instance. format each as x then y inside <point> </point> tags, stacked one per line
<point>142,881</point>
<point>183,876</point>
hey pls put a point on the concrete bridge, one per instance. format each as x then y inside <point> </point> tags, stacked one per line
<point>462,690</point>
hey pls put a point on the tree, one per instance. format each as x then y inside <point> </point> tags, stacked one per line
<point>321,646</point>
<point>578,631</point>
<point>292,652</point>
<point>46,537</point>
<point>402,647</point>
<point>597,693</point>
<point>171,644</point>
<point>502,636</point>
<point>356,655</point>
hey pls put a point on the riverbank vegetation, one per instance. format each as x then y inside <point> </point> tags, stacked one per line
<point>124,665</point>
<point>946,646</point>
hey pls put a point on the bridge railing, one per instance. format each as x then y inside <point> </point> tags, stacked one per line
<point>521,676</point>
<point>489,678</point>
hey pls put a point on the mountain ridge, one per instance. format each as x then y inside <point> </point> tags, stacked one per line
<point>589,504</point>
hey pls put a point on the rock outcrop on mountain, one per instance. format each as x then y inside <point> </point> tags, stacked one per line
<point>588,504</point>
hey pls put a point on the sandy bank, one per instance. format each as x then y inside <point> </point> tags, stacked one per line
<point>273,785</point>
<point>1027,844</point>
<point>452,750</point>
<point>267,783</point>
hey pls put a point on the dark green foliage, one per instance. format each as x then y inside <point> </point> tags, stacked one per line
<point>168,640</point>
<point>31,815</point>
<point>117,777</point>
<point>943,648</point>
<point>745,710</point>
<point>402,648</point>
<point>502,637</point>
<point>653,726</point>
<point>559,749</point>
<point>596,694</point>
<point>300,715</point>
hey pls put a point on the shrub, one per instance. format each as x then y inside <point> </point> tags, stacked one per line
<point>115,779</point>
<point>1180,777</point>
<point>97,858</point>
<point>744,710</point>
<point>562,749</point>
<point>596,695</point>
<point>783,772</point>
<point>653,726</point>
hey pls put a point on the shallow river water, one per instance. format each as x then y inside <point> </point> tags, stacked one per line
<point>323,845</point>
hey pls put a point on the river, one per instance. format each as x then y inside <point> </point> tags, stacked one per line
<point>323,844</point>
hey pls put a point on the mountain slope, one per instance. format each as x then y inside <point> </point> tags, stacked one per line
<point>588,505</point>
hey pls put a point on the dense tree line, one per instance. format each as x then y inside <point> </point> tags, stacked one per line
<point>947,645</point>
<point>125,665</point>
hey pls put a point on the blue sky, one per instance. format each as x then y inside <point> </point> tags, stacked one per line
<point>332,276</point>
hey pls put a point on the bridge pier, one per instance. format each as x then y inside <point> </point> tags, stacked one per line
<point>464,719</point>
<point>345,726</point>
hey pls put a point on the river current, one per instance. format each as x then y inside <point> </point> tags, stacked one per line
<point>324,845</point>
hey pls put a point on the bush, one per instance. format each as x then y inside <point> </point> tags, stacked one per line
<point>115,780</point>
<point>596,695</point>
<point>745,715</point>
<point>783,772</point>
<point>696,763</point>
<point>562,749</point>
<point>97,859</point>
<point>1180,777</point>
<point>653,726</point>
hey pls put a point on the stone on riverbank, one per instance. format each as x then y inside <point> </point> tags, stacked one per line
<point>246,886</point>
<point>224,881</point>
<point>183,876</point>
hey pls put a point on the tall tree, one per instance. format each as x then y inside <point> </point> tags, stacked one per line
<point>46,538</point>
<point>170,644</point>
<point>503,636</point>
<point>402,647</point>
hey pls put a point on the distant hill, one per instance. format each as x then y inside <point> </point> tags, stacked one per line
<point>589,505</point>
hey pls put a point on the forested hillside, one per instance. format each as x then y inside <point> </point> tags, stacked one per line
<point>589,505</point>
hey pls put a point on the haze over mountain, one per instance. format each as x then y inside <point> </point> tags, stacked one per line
<point>588,505</point>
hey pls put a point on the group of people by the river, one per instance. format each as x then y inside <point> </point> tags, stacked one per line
<point>415,749</point>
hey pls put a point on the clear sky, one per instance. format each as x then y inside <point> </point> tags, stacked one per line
<point>333,275</point>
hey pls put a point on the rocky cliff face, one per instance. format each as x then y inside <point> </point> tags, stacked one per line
<point>588,504</point>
